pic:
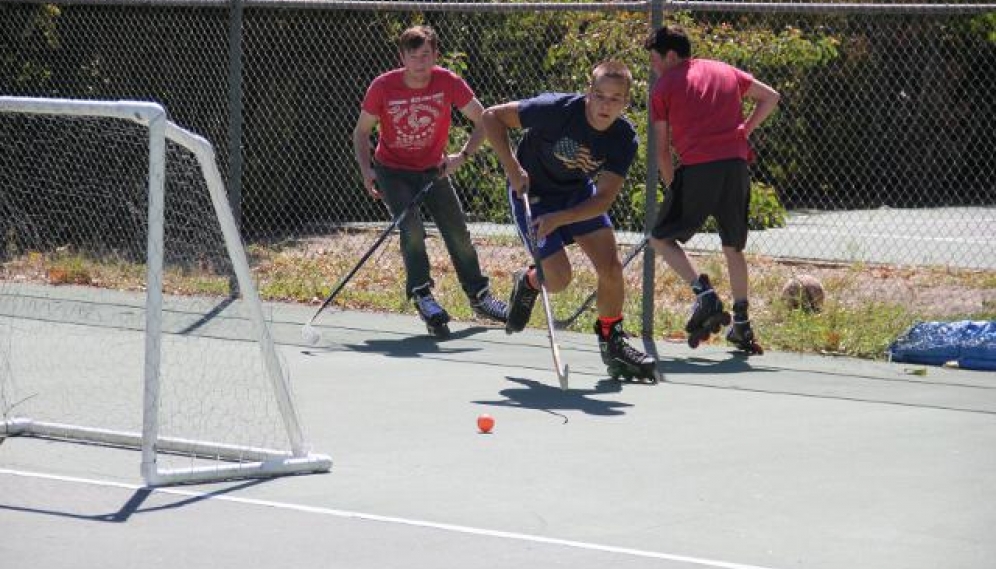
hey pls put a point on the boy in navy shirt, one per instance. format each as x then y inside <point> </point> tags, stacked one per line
<point>572,163</point>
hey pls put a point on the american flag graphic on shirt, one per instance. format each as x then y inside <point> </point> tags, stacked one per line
<point>575,156</point>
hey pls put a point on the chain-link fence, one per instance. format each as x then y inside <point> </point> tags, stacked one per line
<point>881,153</point>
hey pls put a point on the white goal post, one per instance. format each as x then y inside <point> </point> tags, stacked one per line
<point>116,236</point>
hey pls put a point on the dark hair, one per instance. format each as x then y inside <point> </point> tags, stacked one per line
<point>669,38</point>
<point>417,36</point>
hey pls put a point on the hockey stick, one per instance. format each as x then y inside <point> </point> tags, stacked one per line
<point>308,332</point>
<point>534,249</point>
<point>561,324</point>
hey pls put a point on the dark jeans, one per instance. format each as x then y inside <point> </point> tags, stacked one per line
<point>398,187</point>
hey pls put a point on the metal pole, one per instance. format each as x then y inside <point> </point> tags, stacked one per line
<point>154,293</point>
<point>235,122</point>
<point>650,199</point>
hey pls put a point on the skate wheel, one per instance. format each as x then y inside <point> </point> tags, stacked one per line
<point>754,349</point>
<point>716,328</point>
<point>441,331</point>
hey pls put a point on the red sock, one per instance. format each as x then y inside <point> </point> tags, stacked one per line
<point>607,322</point>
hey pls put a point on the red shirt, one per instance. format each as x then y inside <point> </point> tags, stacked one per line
<point>414,123</point>
<point>702,102</point>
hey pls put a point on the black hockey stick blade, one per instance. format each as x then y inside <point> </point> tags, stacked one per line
<point>417,199</point>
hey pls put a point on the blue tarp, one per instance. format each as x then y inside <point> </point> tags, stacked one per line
<point>970,343</point>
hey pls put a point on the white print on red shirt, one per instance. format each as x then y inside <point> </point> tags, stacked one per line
<point>414,120</point>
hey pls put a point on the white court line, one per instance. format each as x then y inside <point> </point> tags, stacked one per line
<point>392,520</point>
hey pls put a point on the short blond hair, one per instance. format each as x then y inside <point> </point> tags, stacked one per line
<point>615,70</point>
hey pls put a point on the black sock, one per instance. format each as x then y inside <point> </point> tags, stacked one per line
<point>701,284</point>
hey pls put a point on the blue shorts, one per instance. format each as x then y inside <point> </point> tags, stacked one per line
<point>564,235</point>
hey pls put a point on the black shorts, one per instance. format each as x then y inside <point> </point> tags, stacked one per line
<point>720,189</point>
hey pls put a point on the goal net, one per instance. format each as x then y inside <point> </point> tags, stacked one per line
<point>117,321</point>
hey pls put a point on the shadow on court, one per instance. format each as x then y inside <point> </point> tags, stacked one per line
<point>134,504</point>
<point>409,346</point>
<point>548,398</point>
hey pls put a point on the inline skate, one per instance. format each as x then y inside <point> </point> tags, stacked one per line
<point>708,316</point>
<point>621,359</point>
<point>740,333</point>
<point>435,316</point>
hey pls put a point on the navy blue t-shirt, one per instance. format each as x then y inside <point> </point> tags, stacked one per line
<point>562,152</point>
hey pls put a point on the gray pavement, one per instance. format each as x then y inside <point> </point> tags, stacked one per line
<point>774,462</point>
<point>944,236</point>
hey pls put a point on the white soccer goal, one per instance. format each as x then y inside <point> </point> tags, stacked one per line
<point>117,324</point>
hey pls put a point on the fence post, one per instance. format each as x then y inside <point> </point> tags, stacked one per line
<point>650,198</point>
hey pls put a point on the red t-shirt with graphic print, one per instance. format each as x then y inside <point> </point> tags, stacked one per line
<point>414,123</point>
<point>702,102</point>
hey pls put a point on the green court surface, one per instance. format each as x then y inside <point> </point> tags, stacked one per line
<point>779,461</point>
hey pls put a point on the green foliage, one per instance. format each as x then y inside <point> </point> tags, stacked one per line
<point>863,331</point>
<point>762,47</point>
<point>23,70</point>
<point>984,26</point>
<point>766,211</point>
<point>483,189</point>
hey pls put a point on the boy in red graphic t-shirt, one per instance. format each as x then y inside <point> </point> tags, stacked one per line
<point>410,106</point>
<point>696,107</point>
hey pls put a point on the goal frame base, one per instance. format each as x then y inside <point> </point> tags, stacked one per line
<point>240,461</point>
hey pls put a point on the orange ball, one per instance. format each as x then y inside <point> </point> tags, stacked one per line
<point>485,423</point>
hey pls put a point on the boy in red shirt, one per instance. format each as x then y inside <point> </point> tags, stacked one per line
<point>697,108</point>
<point>412,106</point>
